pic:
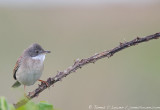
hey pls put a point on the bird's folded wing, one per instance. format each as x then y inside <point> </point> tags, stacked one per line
<point>16,67</point>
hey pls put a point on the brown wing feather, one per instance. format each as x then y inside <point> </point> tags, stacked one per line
<point>16,67</point>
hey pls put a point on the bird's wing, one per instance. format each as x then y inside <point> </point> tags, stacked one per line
<point>16,67</point>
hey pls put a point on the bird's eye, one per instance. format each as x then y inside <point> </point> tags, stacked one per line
<point>37,51</point>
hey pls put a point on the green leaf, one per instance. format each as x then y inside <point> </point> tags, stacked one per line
<point>3,104</point>
<point>29,106</point>
<point>11,107</point>
<point>40,106</point>
<point>45,106</point>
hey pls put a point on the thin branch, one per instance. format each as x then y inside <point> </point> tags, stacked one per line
<point>80,63</point>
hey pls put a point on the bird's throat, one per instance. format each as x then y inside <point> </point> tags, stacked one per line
<point>39,57</point>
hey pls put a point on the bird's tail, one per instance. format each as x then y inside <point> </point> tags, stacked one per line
<point>16,84</point>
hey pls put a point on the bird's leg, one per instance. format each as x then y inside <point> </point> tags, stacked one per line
<point>24,91</point>
<point>44,82</point>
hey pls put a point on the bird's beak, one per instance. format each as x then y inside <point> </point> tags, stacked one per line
<point>45,52</point>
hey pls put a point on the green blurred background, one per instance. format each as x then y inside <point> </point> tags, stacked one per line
<point>79,29</point>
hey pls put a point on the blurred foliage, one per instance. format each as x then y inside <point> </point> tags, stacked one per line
<point>29,106</point>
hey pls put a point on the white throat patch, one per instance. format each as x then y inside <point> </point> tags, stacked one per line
<point>39,57</point>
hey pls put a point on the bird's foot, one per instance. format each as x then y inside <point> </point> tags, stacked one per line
<point>44,82</point>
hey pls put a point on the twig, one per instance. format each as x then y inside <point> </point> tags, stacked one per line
<point>79,63</point>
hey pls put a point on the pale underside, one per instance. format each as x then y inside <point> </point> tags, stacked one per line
<point>30,71</point>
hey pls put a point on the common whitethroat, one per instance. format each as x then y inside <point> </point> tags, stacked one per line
<point>29,66</point>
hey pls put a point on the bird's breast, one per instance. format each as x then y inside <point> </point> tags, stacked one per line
<point>30,72</point>
<point>35,65</point>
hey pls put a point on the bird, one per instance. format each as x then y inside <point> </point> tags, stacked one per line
<point>29,66</point>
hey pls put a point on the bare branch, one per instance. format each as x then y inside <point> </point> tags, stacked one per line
<point>80,63</point>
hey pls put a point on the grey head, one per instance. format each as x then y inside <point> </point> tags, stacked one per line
<point>35,50</point>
